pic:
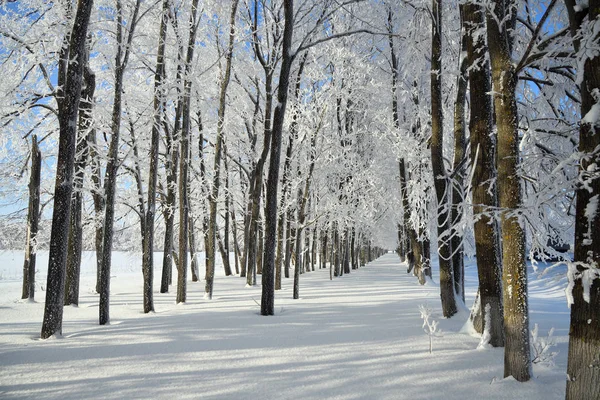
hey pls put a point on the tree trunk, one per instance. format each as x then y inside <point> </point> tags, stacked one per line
<point>171,165</point>
<point>82,153</point>
<point>158,123</point>
<point>192,245</point>
<point>289,240</point>
<point>70,83</point>
<point>517,361</point>
<point>458,192</point>
<point>437,162</point>
<point>226,263</point>
<point>483,159</point>
<point>268,284</point>
<point>33,215</point>
<point>110,179</point>
<point>583,369</point>
<point>214,195</point>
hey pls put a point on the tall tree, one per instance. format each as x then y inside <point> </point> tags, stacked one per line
<point>158,123</point>
<point>214,193</point>
<point>437,161</point>
<point>457,180</point>
<point>184,160</point>
<point>267,306</point>
<point>483,159</point>
<point>583,369</point>
<point>500,27</point>
<point>124,41</point>
<point>70,82</point>
<point>85,131</point>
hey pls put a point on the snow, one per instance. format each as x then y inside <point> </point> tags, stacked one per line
<point>593,116</point>
<point>359,336</point>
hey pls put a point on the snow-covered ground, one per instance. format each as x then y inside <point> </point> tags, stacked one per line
<point>356,337</point>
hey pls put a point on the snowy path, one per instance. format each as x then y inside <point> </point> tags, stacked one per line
<point>356,337</point>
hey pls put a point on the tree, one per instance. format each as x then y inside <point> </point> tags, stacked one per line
<point>583,371</point>
<point>500,26</point>
<point>33,216</point>
<point>214,193</point>
<point>439,171</point>
<point>159,110</point>
<point>70,82</point>
<point>267,306</point>
<point>124,41</point>
<point>85,130</point>
<point>483,159</point>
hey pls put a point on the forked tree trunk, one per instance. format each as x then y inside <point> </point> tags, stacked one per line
<point>70,82</point>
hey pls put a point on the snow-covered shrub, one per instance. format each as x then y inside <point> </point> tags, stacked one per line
<point>430,326</point>
<point>541,347</point>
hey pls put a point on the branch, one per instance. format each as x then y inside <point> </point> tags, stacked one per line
<point>340,35</point>
<point>535,36</point>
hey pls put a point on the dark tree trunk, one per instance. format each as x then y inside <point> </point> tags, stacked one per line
<point>458,192</point>
<point>346,252</point>
<point>192,244</point>
<point>483,158</point>
<point>82,154</point>
<point>236,247</point>
<point>33,216</point>
<point>110,179</point>
<point>214,195</point>
<point>260,247</point>
<point>297,264</point>
<point>268,284</point>
<point>159,109</point>
<point>583,369</point>
<point>70,83</point>
<point>439,171</point>
<point>289,236</point>
<point>226,263</point>
<point>172,161</point>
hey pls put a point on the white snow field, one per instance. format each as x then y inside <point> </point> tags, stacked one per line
<point>356,337</point>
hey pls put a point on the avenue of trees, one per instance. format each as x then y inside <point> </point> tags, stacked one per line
<point>286,133</point>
